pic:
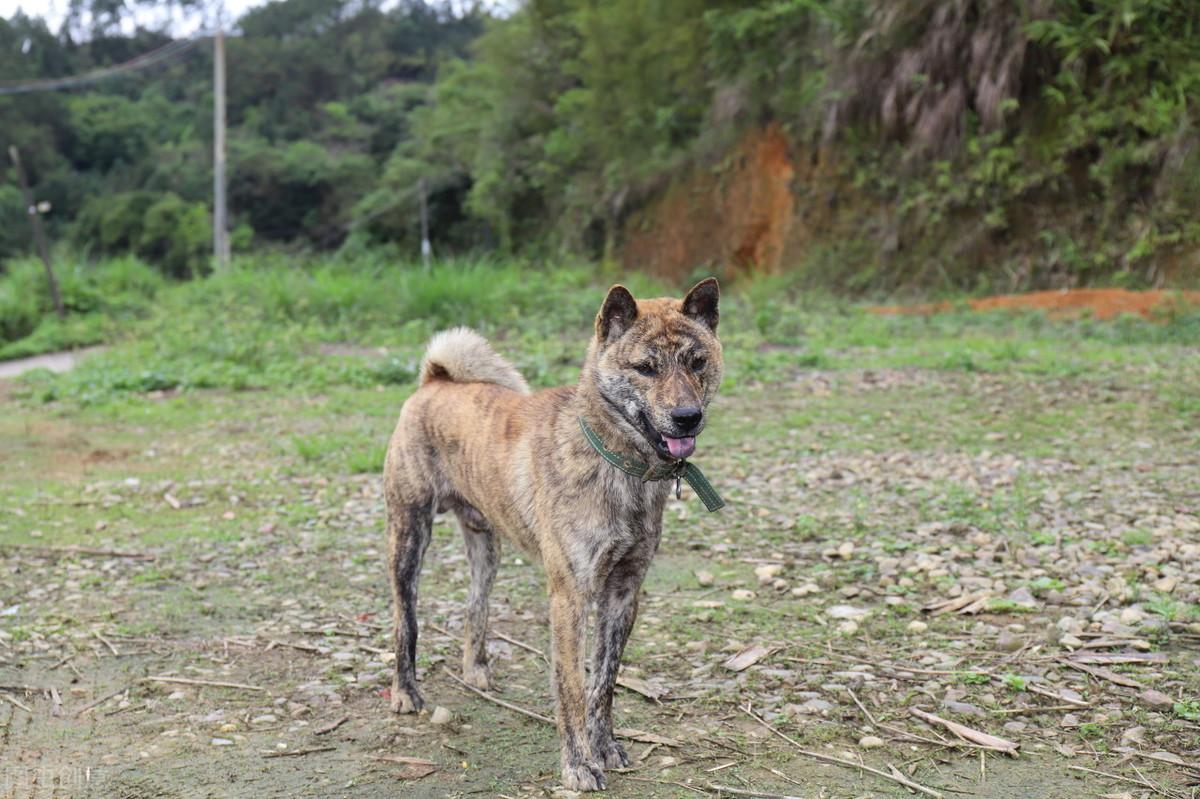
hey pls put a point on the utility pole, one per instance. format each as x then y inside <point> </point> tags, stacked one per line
<point>426,248</point>
<point>39,234</point>
<point>220,210</point>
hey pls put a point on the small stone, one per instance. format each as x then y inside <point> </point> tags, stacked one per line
<point>1015,726</point>
<point>847,627</point>
<point>705,578</point>
<point>768,572</point>
<point>1132,615</point>
<point>440,716</point>
<point>222,742</point>
<point>1135,736</point>
<point>1155,698</point>
<point>846,550</point>
<point>917,627</point>
<point>743,595</point>
<point>806,589</point>
<point>1070,641</point>
<point>1166,585</point>
<point>264,719</point>
<point>1007,642</point>
<point>228,726</point>
<point>870,742</point>
<point>846,612</point>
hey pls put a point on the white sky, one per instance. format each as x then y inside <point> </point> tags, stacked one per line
<point>154,17</point>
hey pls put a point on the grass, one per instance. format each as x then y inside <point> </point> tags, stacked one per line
<point>269,323</point>
<point>261,401</point>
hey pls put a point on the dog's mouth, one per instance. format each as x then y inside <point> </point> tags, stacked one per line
<point>667,446</point>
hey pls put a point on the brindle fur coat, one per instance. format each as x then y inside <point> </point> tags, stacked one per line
<point>514,464</point>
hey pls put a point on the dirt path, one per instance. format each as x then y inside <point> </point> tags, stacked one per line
<point>1015,553</point>
<point>54,361</point>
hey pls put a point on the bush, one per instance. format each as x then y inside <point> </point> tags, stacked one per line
<point>159,227</point>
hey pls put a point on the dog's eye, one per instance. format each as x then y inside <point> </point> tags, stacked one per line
<point>698,364</point>
<point>645,368</point>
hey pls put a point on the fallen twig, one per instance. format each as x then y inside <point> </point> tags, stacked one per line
<point>905,781</point>
<point>328,728</point>
<point>62,552</point>
<point>1142,781</point>
<point>985,740</point>
<point>300,752</point>
<point>494,700</point>
<point>212,683</point>
<point>1102,673</point>
<point>720,789</point>
<point>107,643</point>
<point>18,703</point>
<point>102,699</point>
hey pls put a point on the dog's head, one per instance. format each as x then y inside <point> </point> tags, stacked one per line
<point>658,365</point>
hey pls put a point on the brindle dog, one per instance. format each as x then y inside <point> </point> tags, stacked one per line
<point>475,441</point>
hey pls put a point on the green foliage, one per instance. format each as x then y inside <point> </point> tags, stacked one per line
<point>118,289</point>
<point>161,228</point>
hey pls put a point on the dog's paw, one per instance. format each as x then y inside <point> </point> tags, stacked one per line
<point>407,701</point>
<point>610,754</point>
<point>477,675</point>
<point>583,776</point>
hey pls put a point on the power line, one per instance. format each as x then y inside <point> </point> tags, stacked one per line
<point>169,51</point>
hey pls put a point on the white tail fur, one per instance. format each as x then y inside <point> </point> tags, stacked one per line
<point>463,356</point>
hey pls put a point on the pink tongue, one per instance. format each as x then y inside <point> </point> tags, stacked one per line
<point>681,447</point>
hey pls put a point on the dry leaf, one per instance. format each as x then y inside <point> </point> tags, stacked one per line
<point>747,657</point>
<point>415,768</point>
<point>638,685</point>
<point>645,737</point>
<point>969,734</point>
<point>1114,658</point>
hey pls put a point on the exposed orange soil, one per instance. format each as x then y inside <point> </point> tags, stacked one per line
<point>1099,303</point>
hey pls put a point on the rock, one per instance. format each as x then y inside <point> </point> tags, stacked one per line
<point>846,612</point>
<point>814,707</point>
<point>1007,642</point>
<point>917,627</point>
<point>768,572</point>
<point>1070,641</point>
<point>1155,698</point>
<point>1015,726</point>
<point>705,578</point>
<point>743,595</point>
<point>1023,597</point>
<point>870,742</point>
<point>806,589</point>
<point>440,716</point>
<point>1134,736</point>
<point>264,719</point>
<point>847,627</point>
<point>222,742</point>
<point>1132,615</point>
<point>1166,585</point>
<point>846,550</point>
<point>965,708</point>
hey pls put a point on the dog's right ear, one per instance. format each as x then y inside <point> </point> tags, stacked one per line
<point>617,314</point>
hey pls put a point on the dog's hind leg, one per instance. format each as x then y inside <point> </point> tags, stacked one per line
<point>410,525</point>
<point>483,554</point>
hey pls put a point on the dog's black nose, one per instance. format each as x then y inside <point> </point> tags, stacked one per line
<point>688,419</point>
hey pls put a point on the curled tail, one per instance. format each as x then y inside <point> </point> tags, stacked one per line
<point>461,355</point>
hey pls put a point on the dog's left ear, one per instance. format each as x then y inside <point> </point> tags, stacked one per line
<point>617,314</point>
<point>702,301</point>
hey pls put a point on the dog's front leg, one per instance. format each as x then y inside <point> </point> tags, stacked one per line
<point>568,619</point>
<point>616,609</point>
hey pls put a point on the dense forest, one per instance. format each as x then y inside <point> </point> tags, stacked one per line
<point>874,143</point>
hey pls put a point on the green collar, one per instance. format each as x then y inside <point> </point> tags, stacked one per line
<point>677,470</point>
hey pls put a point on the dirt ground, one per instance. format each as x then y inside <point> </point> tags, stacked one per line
<point>193,601</point>
<point>1098,303</point>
